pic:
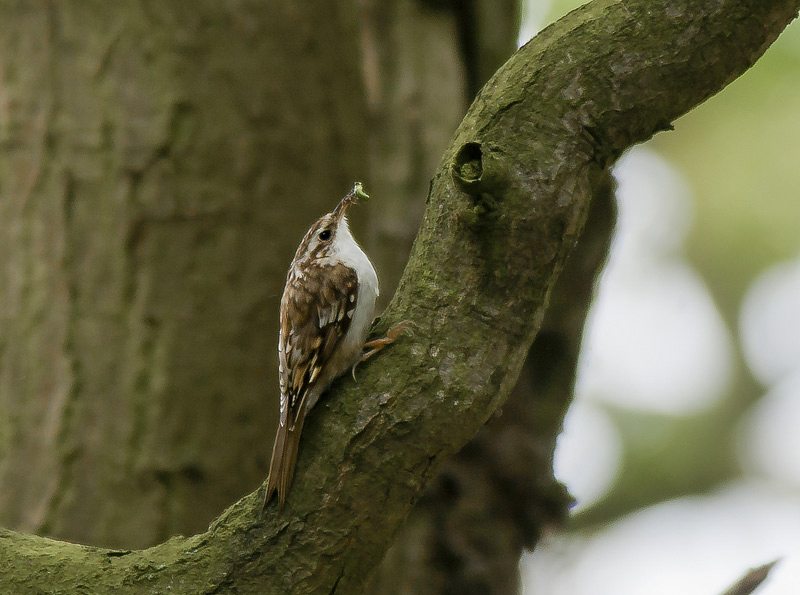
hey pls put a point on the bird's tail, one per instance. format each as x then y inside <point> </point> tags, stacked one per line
<point>284,457</point>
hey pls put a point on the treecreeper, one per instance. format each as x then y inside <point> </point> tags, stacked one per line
<point>327,308</point>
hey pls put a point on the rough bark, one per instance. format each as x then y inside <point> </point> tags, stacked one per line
<point>497,495</point>
<point>153,187</point>
<point>446,545</point>
<point>505,207</point>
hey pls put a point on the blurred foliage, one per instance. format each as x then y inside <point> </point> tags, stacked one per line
<point>739,153</point>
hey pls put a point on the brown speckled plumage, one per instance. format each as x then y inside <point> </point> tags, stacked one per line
<point>326,310</point>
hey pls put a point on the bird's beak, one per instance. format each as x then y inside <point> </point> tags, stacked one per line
<point>352,197</point>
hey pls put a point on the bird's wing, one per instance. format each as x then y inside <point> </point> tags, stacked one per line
<point>316,310</point>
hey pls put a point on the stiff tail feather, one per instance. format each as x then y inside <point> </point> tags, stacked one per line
<point>284,457</point>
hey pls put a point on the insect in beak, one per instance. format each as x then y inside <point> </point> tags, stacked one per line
<point>352,197</point>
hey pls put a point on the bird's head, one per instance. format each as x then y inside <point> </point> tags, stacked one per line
<point>322,238</point>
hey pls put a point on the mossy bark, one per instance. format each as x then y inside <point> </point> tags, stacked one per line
<point>424,61</point>
<point>505,208</point>
<point>497,495</point>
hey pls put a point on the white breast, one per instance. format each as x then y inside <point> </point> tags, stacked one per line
<point>350,253</point>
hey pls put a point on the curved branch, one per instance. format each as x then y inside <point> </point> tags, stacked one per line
<point>498,494</point>
<point>504,209</point>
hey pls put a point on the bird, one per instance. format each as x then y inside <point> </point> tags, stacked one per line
<point>327,308</point>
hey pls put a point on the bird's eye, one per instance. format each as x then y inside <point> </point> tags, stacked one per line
<point>325,234</point>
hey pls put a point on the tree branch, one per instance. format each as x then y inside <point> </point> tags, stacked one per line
<point>498,494</point>
<point>505,207</point>
<point>751,580</point>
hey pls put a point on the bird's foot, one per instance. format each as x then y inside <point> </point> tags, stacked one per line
<point>376,345</point>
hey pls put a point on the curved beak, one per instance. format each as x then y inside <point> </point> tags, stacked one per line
<point>352,197</point>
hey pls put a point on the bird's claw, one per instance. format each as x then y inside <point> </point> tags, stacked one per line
<point>376,345</point>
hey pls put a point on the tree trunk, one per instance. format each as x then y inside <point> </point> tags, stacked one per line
<point>423,62</point>
<point>161,163</point>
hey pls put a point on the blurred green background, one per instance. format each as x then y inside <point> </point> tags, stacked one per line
<point>700,300</point>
